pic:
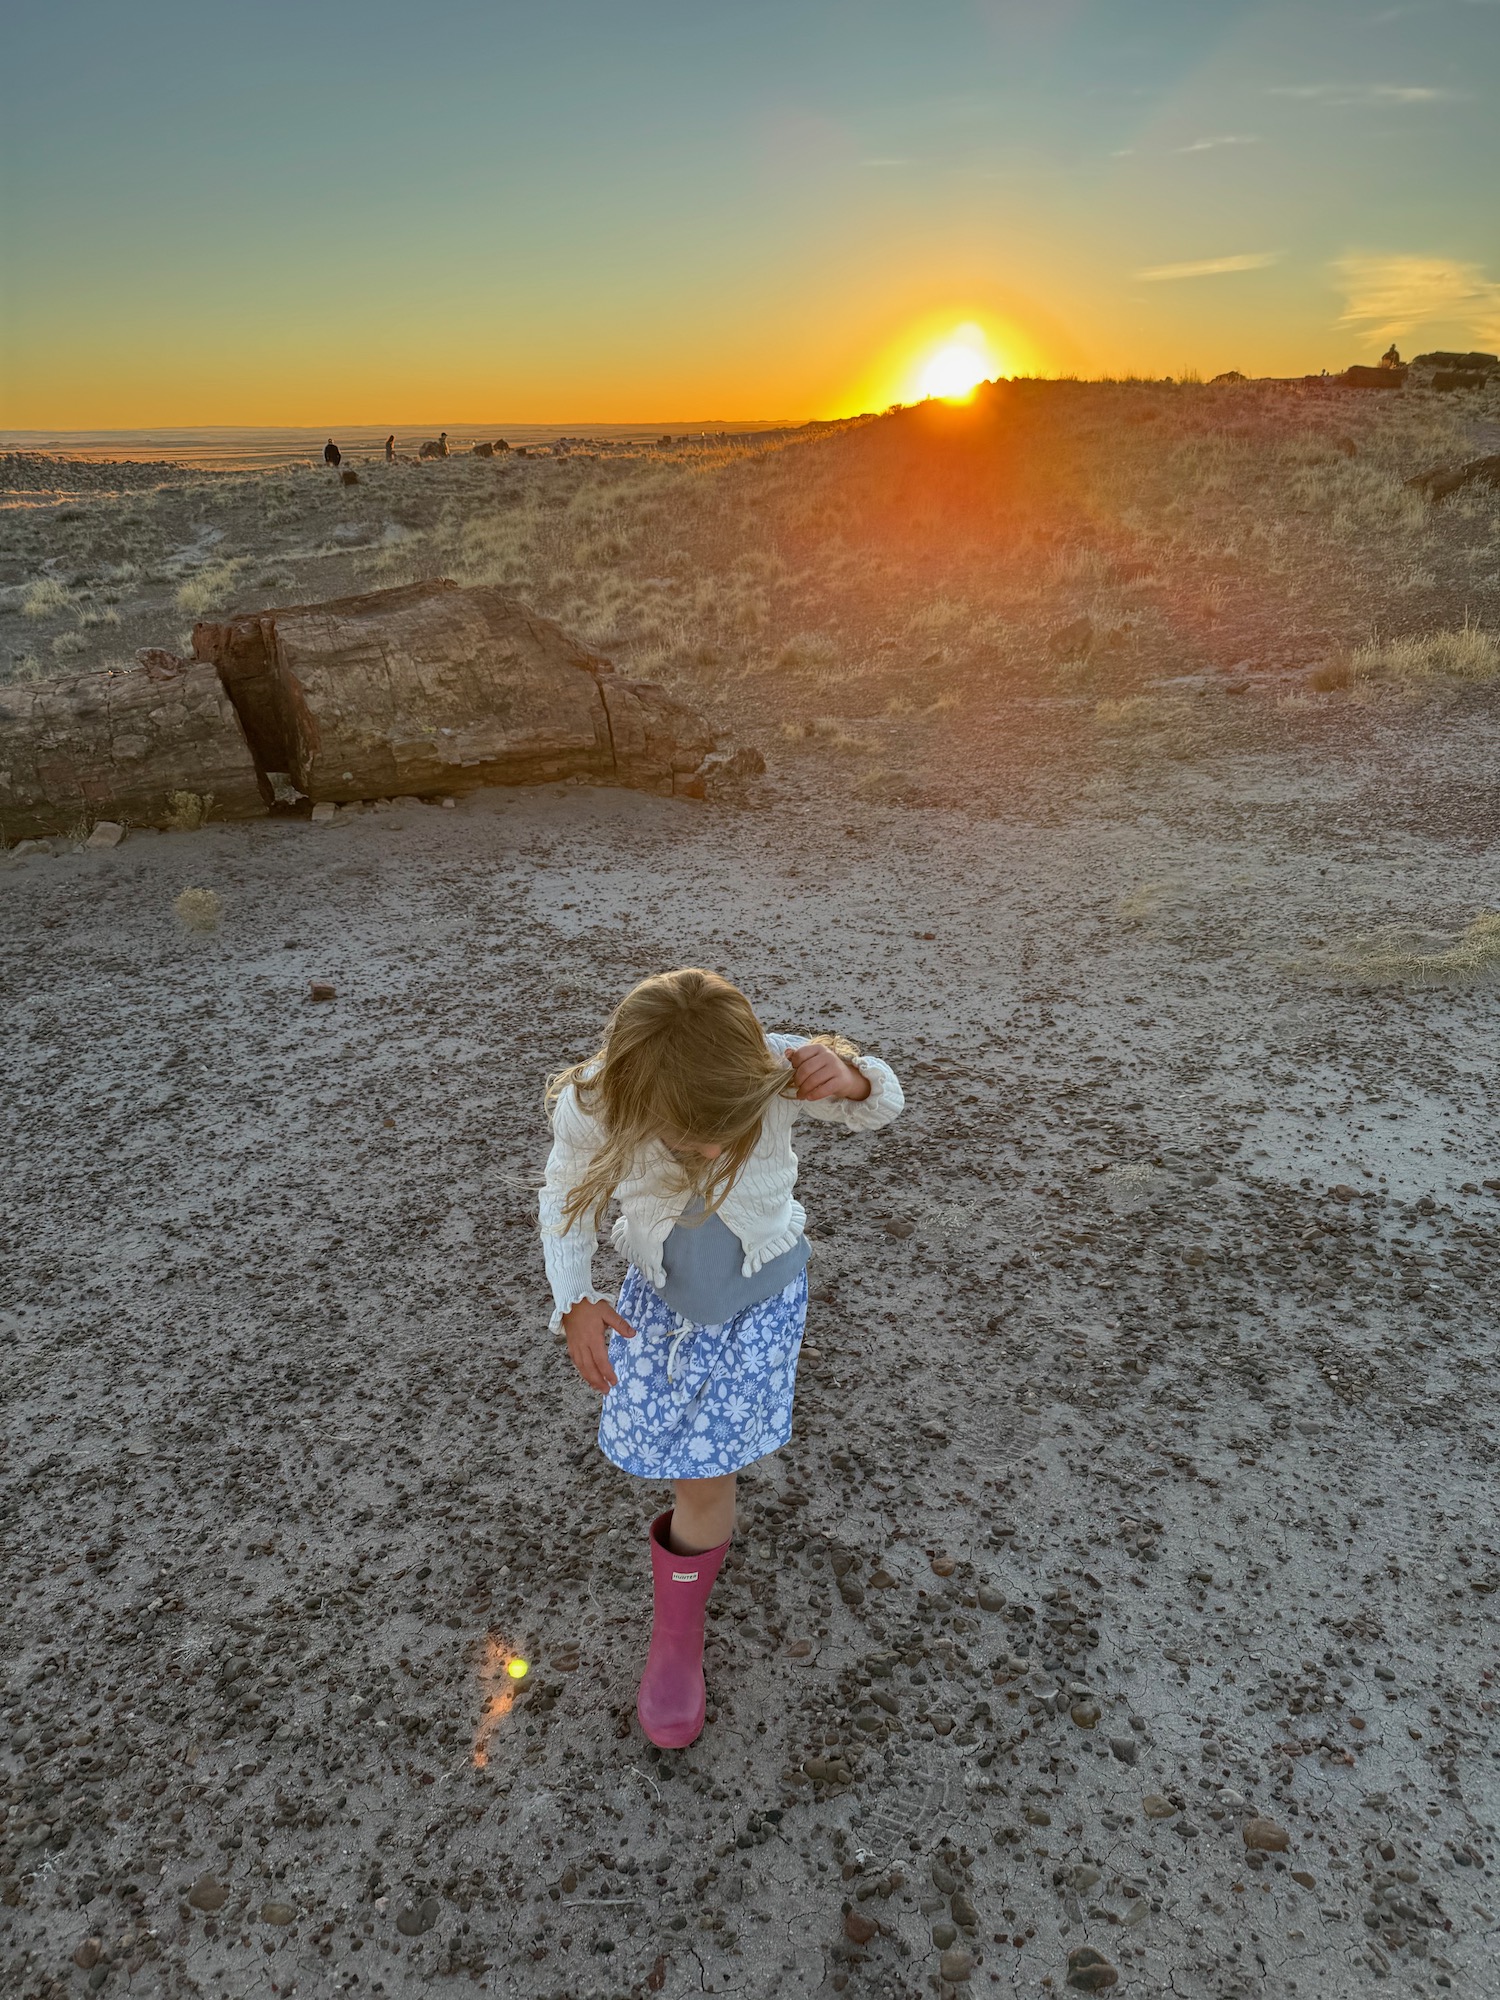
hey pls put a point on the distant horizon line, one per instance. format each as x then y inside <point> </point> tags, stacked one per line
<point>448,424</point>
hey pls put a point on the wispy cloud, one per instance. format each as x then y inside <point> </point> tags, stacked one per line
<point>1227,139</point>
<point>885,163</point>
<point>1344,94</point>
<point>1387,296</point>
<point>1211,267</point>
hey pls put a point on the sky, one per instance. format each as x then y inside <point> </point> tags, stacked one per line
<point>350,211</point>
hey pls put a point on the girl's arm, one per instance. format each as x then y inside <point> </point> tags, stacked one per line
<point>881,1101</point>
<point>568,1252</point>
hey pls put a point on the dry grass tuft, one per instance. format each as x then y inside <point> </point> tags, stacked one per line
<point>209,590</point>
<point>1406,955</point>
<point>198,909</point>
<point>188,812</point>
<point>1464,653</point>
<point>45,598</point>
<point>807,649</point>
<point>1133,711</point>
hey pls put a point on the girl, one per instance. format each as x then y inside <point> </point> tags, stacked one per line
<point>685,1115</point>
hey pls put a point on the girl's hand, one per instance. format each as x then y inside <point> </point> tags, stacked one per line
<point>587,1326</point>
<point>820,1073</point>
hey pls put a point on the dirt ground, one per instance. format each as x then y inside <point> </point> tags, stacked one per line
<point>1128,1585</point>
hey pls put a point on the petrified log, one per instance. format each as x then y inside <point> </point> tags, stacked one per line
<point>1442,480</point>
<point>1441,357</point>
<point>1372,378</point>
<point>144,746</point>
<point>433,688</point>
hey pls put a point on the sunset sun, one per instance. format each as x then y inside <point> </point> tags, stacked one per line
<point>954,371</point>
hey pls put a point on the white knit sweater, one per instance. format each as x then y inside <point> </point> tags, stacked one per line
<point>759,1208</point>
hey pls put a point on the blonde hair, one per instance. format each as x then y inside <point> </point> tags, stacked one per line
<point>684,1060</point>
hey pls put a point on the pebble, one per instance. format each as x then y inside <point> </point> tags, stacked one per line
<point>898,1227</point>
<point>1154,1806</point>
<point>320,989</point>
<point>1089,1971</point>
<point>86,1955</point>
<point>277,1913</point>
<point>323,812</point>
<point>859,1929</point>
<point>944,1934</point>
<point>1125,1748</point>
<point>943,1879</point>
<point>964,1912</point>
<point>991,1598</point>
<point>418,1917</point>
<point>1085,1714</point>
<point>208,1894</point>
<point>956,1965</point>
<point>1266,1836</point>
<point>943,1565</point>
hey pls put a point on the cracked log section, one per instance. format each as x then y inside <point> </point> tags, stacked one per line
<point>148,748</point>
<point>436,689</point>
<point>427,690</point>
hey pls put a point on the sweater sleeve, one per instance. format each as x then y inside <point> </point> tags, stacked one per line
<point>885,1101</point>
<point>568,1252</point>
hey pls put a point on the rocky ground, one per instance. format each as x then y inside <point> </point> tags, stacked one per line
<point>1122,1610</point>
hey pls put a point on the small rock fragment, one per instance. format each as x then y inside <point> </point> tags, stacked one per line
<point>1154,1806</point>
<point>898,1226</point>
<point>859,1929</point>
<point>956,1965</point>
<point>991,1597</point>
<point>106,833</point>
<point>1266,1835</point>
<point>964,1913</point>
<point>208,1894</point>
<point>320,989</point>
<point>416,1918</point>
<point>323,812</point>
<point>1124,1748</point>
<point>944,1934</point>
<point>1089,1971</point>
<point>86,1955</point>
<point>943,1565</point>
<point>1306,1881</point>
<point>277,1913</point>
<point>1085,1714</point>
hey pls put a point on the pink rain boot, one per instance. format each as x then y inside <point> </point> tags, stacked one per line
<point>671,1701</point>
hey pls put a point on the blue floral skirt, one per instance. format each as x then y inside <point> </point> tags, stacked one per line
<point>691,1402</point>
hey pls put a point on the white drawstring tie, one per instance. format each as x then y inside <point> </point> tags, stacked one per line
<point>681,1335</point>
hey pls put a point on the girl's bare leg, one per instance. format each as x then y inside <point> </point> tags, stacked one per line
<point>702,1514</point>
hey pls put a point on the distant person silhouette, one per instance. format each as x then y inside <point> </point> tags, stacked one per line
<point>331,453</point>
<point>390,447</point>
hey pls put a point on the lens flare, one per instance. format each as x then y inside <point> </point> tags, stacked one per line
<point>499,1670</point>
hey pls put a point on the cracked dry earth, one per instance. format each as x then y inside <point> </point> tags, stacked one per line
<point>1121,1612</point>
